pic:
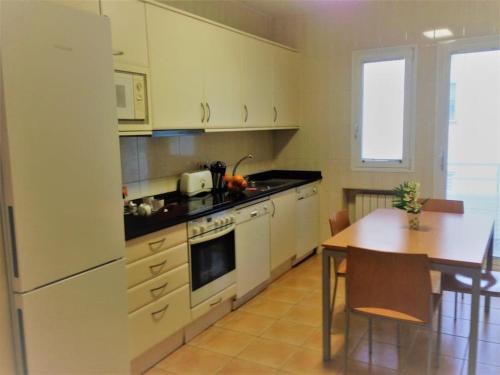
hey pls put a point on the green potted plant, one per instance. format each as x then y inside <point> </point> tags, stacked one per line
<point>406,197</point>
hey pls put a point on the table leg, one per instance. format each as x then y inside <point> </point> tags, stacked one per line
<point>474,319</point>
<point>489,267</point>
<point>327,317</point>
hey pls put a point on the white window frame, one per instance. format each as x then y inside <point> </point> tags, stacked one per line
<point>408,53</point>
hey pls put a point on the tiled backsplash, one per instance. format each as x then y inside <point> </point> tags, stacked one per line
<point>162,160</point>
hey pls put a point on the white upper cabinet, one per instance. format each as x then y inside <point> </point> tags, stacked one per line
<point>257,83</point>
<point>128,31</point>
<point>222,77</point>
<point>86,5</point>
<point>177,66</point>
<point>286,88</point>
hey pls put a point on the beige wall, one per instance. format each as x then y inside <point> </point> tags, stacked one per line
<point>329,34</point>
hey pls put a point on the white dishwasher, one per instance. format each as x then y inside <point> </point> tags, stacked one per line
<point>252,236</point>
<point>307,226</point>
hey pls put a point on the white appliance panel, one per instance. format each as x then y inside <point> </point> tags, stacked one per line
<point>252,248</point>
<point>307,220</point>
<point>60,148</point>
<point>78,325</point>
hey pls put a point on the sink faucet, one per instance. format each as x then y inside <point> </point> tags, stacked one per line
<point>249,156</point>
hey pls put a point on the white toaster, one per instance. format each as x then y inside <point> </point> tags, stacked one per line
<point>193,183</point>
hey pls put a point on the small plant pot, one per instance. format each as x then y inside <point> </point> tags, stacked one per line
<point>413,221</point>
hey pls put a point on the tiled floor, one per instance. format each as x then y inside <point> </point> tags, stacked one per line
<point>279,331</point>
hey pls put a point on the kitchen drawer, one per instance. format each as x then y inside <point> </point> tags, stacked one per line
<point>149,291</point>
<point>207,305</point>
<point>158,320</point>
<point>155,265</point>
<point>155,242</point>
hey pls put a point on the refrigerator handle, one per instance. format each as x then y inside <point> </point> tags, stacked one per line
<point>12,230</point>
<point>22,343</point>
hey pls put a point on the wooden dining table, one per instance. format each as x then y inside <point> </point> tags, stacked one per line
<point>455,243</point>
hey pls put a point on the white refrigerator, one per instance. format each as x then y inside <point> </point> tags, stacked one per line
<point>61,190</point>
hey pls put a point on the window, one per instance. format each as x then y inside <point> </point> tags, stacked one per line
<point>452,110</point>
<point>383,101</point>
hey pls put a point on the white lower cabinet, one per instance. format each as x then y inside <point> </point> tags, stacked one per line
<point>157,321</point>
<point>156,288</point>
<point>283,231</point>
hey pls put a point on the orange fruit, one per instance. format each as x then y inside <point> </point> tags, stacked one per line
<point>238,179</point>
<point>244,184</point>
<point>230,185</point>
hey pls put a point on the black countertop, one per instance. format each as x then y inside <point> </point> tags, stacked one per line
<point>180,209</point>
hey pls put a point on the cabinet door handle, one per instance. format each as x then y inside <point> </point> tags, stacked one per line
<point>216,302</point>
<point>156,245</point>
<point>254,213</point>
<point>156,268</point>
<point>157,315</point>
<point>246,112</point>
<point>159,289</point>
<point>275,114</point>
<point>209,112</point>
<point>274,208</point>
<point>202,112</point>
<point>118,53</point>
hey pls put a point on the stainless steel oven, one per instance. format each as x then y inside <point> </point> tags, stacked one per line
<point>212,255</point>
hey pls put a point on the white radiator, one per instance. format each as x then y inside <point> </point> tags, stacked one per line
<point>364,203</point>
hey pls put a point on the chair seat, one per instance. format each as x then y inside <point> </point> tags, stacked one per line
<point>490,283</point>
<point>342,268</point>
<point>396,315</point>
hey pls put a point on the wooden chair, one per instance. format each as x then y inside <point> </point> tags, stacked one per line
<point>391,286</point>
<point>443,205</point>
<point>449,206</point>
<point>338,222</point>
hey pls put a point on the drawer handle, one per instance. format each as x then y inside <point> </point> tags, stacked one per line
<point>254,213</point>
<point>216,302</point>
<point>158,315</point>
<point>156,268</point>
<point>160,290</point>
<point>156,245</point>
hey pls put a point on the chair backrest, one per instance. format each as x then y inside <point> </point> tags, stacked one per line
<point>339,221</point>
<point>443,205</point>
<point>397,282</point>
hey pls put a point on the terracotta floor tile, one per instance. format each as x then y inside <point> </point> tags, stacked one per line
<point>488,353</point>
<point>157,371</point>
<point>314,298</point>
<point>245,322</point>
<point>222,341</point>
<point>240,367</point>
<point>283,294</point>
<point>384,355</point>
<point>266,307</point>
<point>362,368</point>
<point>451,346</point>
<point>386,332</point>
<point>191,360</point>
<point>268,352</point>
<point>416,364</point>
<point>297,282</point>
<point>482,369</point>
<point>310,315</point>
<point>288,332</point>
<point>305,361</point>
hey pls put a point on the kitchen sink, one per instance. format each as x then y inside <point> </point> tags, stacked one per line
<point>264,185</point>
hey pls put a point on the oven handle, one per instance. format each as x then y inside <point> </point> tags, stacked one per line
<point>205,238</point>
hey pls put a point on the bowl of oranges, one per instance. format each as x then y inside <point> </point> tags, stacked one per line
<point>236,183</point>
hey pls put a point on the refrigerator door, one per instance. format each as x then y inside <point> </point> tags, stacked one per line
<point>60,145</point>
<point>78,325</point>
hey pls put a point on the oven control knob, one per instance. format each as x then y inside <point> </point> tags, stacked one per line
<point>227,220</point>
<point>202,228</point>
<point>217,223</point>
<point>231,218</point>
<point>195,231</point>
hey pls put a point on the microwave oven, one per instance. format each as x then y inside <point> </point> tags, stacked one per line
<point>131,96</point>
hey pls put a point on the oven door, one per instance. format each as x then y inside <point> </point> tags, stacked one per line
<point>212,259</point>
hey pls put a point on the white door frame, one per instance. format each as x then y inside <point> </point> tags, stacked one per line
<point>445,51</point>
